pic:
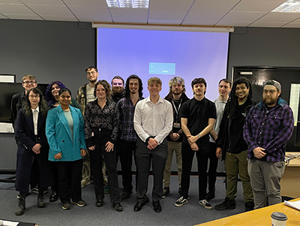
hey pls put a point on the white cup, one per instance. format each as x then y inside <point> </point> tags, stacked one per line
<point>278,219</point>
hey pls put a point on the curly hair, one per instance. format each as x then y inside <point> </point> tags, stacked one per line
<point>127,92</point>
<point>48,94</point>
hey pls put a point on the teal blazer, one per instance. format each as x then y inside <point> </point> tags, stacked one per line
<point>59,137</point>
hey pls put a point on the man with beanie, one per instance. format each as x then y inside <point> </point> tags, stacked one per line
<point>268,127</point>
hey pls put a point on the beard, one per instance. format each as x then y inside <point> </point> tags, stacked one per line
<point>93,80</point>
<point>117,89</point>
<point>269,101</point>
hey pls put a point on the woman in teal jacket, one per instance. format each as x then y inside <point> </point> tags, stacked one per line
<point>65,135</point>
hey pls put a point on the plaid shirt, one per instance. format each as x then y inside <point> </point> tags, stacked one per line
<point>270,129</point>
<point>125,113</point>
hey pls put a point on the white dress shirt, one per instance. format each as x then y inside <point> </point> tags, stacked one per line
<point>153,119</point>
<point>35,114</point>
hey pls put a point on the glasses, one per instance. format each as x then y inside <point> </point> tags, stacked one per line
<point>29,82</point>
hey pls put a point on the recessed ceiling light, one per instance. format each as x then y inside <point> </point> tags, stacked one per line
<point>290,6</point>
<point>128,3</point>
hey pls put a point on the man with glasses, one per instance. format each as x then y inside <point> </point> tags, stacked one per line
<point>28,82</point>
<point>268,128</point>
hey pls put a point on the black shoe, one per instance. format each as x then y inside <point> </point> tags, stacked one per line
<point>156,206</point>
<point>228,204</point>
<point>140,203</point>
<point>21,205</point>
<point>53,196</point>
<point>249,206</point>
<point>125,195</point>
<point>117,206</point>
<point>166,192</point>
<point>209,196</point>
<point>179,192</point>
<point>66,206</point>
<point>99,202</point>
<point>40,200</point>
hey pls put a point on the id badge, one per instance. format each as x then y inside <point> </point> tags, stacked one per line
<point>176,125</point>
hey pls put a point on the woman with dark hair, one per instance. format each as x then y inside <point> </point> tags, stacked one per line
<point>232,146</point>
<point>52,98</point>
<point>52,95</point>
<point>32,145</point>
<point>65,134</point>
<point>101,134</point>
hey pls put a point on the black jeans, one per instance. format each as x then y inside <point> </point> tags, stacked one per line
<point>96,157</point>
<point>187,161</point>
<point>125,150</point>
<point>144,156</point>
<point>69,180</point>
<point>25,160</point>
<point>213,164</point>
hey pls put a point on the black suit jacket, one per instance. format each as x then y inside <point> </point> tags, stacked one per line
<point>24,130</point>
<point>15,105</point>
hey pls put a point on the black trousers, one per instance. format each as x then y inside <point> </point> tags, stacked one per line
<point>187,161</point>
<point>125,151</point>
<point>110,160</point>
<point>212,171</point>
<point>25,160</point>
<point>144,157</point>
<point>69,180</point>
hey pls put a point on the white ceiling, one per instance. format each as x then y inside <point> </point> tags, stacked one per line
<point>252,13</point>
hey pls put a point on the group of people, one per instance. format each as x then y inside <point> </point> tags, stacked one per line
<point>105,124</point>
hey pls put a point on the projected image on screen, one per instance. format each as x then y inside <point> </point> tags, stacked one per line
<point>164,54</point>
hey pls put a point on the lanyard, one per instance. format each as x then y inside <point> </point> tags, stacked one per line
<point>176,110</point>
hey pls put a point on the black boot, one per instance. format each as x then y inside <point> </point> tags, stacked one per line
<point>40,199</point>
<point>21,205</point>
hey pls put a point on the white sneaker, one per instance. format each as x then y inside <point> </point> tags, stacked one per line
<point>205,204</point>
<point>181,201</point>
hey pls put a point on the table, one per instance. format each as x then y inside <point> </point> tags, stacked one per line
<point>290,182</point>
<point>259,217</point>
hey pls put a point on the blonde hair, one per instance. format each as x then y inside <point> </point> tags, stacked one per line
<point>30,77</point>
<point>154,80</point>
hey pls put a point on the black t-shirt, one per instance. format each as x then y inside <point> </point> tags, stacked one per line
<point>197,114</point>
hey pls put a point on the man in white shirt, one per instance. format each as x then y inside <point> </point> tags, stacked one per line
<point>153,121</point>
<point>224,88</point>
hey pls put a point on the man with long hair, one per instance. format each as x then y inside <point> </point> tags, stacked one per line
<point>127,135</point>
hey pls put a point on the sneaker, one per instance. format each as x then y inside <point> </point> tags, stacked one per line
<point>181,201</point>
<point>227,204</point>
<point>209,196</point>
<point>205,204</point>
<point>66,206</point>
<point>80,203</point>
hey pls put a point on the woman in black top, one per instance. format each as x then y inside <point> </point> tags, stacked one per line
<point>32,145</point>
<point>101,134</point>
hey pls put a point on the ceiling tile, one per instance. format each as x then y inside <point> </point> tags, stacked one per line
<point>17,11</point>
<point>168,11</point>
<point>275,19</point>
<point>126,15</point>
<point>208,12</point>
<point>90,10</point>
<point>240,18</point>
<point>258,5</point>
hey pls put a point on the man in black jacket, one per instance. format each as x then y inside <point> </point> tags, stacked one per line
<point>177,97</point>
<point>232,146</point>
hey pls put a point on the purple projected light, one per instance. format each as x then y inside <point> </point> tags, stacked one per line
<point>196,54</point>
